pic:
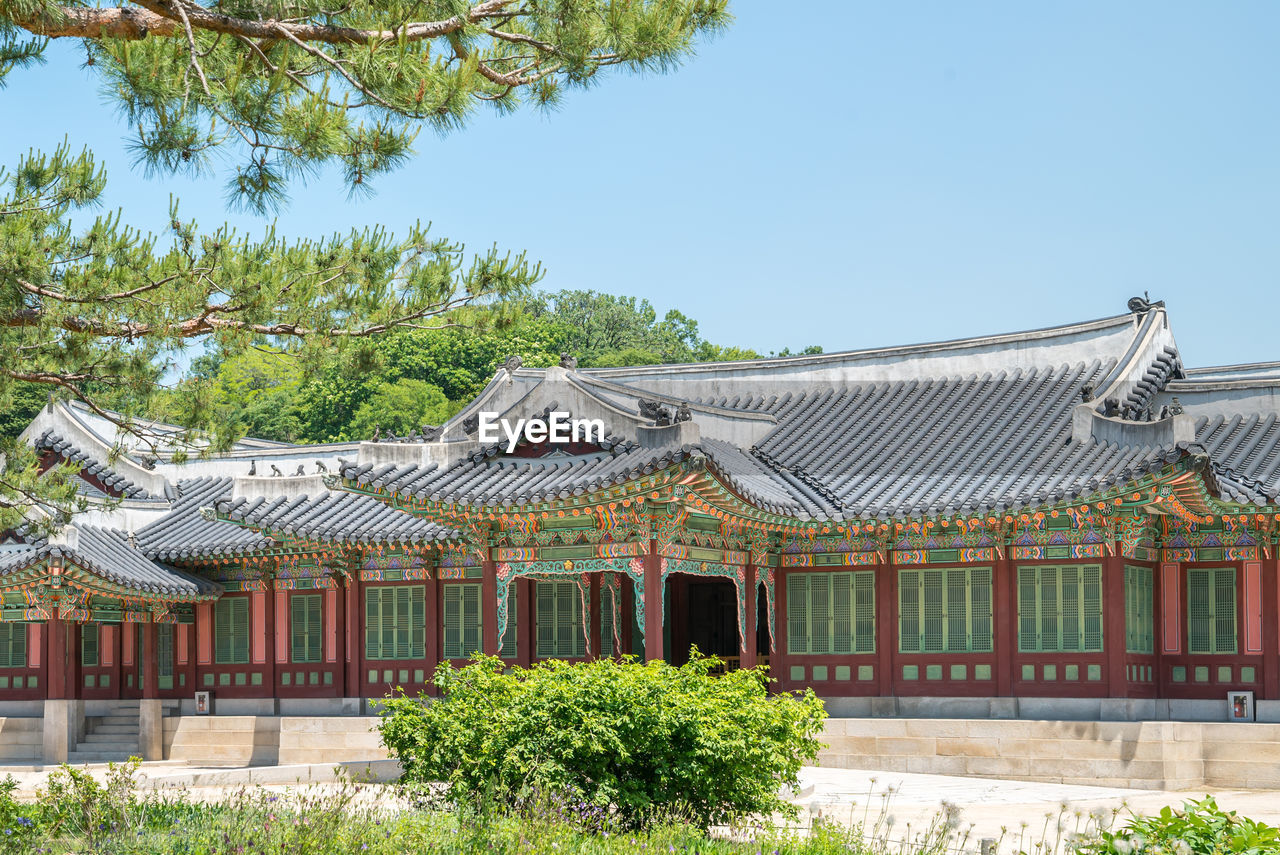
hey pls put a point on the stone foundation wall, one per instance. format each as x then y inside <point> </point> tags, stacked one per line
<point>21,740</point>
<point>1141,754</point>
<point>247,740</point>
<point>1138,754</point>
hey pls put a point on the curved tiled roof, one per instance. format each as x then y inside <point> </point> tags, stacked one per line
<point>183,534</point>
<point>515,480</point>
<point>947,445</point>
<point>107,553</point>
<point>333,517</point>
<point>925,446</point>
<point>89,465</point>
<point>1244,453</point>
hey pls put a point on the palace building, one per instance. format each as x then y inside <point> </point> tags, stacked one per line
<point>1066,521</point>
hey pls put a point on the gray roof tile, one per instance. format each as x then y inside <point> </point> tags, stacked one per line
<point>107,553</point>
<point>89,465</point>
<point>333,517</point>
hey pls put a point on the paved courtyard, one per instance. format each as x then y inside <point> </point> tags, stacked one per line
<point>993,807</point>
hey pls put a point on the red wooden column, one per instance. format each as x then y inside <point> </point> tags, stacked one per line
<point>886,624</point>
<point>335,605</point>
<point>354,646</point>
<point>1113,636</point>
<point>431,617</point>
<point>1005,623</point>
<point>55,631</point>
<point>1169,607</point>
<point>747,634</point>
<point>270,626</point>
<point>1157,629</point>
<point>150,661</point>
<point>492,637</point>
<point>1271,628</point>
<point>652,605</point>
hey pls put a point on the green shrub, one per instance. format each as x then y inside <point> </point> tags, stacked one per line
<point>1199,827</point>
<point>608,741</point>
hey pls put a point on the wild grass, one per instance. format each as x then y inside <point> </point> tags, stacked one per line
<point>79,813</point>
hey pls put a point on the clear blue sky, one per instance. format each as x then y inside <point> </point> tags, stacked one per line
<point>883,174</point>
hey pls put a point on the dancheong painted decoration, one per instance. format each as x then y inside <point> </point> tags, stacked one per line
<point>1059,513</point>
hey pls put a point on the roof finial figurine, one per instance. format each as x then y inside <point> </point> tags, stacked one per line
<point>512,363</point>
<point>275,470</point>
<point>1111,407</point>
<point>569,362</point>
<point>471,424</point>
<point>149,462</point>
<point>1142,305</point>
<point>321,468</point>
<point>1086,392</point>
<point>1175,407</point>
<point>430,433</point>
<point>253,467</point>
<point>377,433</point>
<point>301,470</point>
<point>654,412</point>
<point>683,413</point>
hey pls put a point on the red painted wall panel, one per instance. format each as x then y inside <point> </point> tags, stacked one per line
<point>1171,608</point>
<point>1253,607</point>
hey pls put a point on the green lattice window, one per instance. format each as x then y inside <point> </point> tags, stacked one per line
<point>305,627</point>
<point>164,656</point>
<point>462,620</point>
<point>1139,610</point>
<point>607,606</point>
<point>13,644</point>
<point>1060,609</point>
<point>945,610</point>
<point>560,631</point>
<point>1211,610</point>
<point>831,612</point>
<point>395,622</point>
<point>90,639</point>
<point>231,631</point>
<point>510,644</point>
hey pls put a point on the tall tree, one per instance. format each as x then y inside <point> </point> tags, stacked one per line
<point>102,314</point>
<point>296,84</point>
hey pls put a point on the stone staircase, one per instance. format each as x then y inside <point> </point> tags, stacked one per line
<point>112,737</point>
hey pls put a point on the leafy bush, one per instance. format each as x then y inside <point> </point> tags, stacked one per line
<point>1199,827</point>
<point>637,743</point>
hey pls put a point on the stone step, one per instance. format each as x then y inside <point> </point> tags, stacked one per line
<point>110,739</point>
<point>114,719</point>
<point>77,758</point>
<point>93,727</point>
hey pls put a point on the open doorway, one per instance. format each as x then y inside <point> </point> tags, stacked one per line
<point>702,612</point>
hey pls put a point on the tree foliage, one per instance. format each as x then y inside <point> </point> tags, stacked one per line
<point>293,85</point>
<point>103,313</point>
<point>413,377</point>
<point>649,742</point>
<point>609,331</point>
